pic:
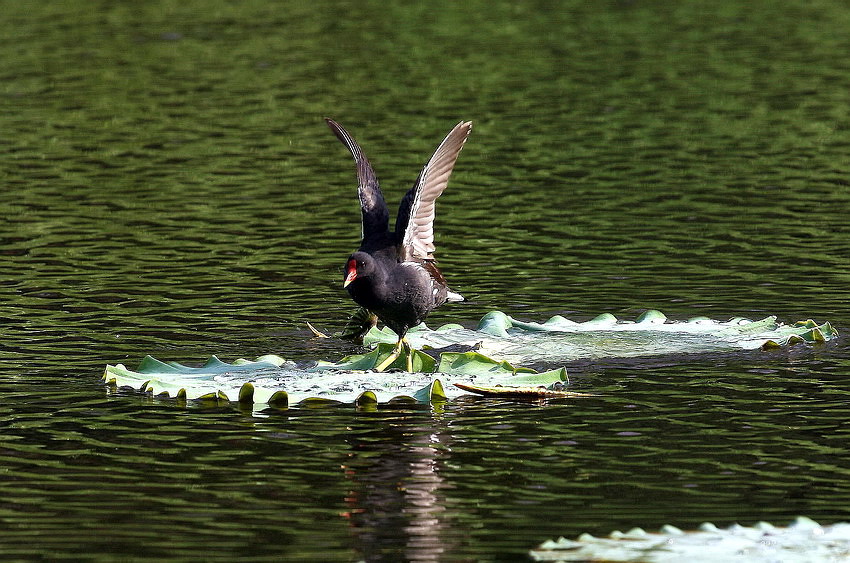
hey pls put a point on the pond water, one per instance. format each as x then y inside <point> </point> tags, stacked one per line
<point>170,188</point>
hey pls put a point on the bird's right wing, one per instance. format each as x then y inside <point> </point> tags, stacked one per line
<point>372,205</point>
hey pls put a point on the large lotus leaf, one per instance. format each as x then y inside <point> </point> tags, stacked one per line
<point>272,380</point>
<point>501,342</point>
<point>804,541</point>
<point>559,340</point>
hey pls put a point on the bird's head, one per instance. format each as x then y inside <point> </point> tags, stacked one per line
<point>360,265</point>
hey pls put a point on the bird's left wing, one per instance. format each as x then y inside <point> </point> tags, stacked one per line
<point>415,223</point>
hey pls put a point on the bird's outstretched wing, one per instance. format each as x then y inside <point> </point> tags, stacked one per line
<point>415,223</point>
<point>375,214</point>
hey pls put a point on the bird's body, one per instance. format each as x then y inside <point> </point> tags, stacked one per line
<point>401,294</point>
<point>393,273</point>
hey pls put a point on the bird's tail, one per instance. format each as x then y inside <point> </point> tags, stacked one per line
<point>452,296</point>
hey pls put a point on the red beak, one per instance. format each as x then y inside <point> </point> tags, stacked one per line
<point>350,273</point>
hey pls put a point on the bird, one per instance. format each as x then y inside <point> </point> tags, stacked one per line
<point>393,274</point>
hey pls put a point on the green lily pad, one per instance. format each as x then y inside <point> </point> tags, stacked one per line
<point>502,344</point>
<point>270,380</point>
<point>473,363</point>
<point>561,340</point>
<point>432,393</point>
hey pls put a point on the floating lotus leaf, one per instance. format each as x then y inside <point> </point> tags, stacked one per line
<point>501,342</point>
<point>804,541</point>
<point>560,340</point>
<point>271,380</point>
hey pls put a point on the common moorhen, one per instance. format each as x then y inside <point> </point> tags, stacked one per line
<point>393,274</point>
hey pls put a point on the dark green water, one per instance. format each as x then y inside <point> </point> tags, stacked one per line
<point>169,187</point>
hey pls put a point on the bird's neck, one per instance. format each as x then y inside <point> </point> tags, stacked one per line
<point>371,290</point>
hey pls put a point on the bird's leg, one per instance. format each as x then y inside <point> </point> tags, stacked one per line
<point>391,358</point>
<point>409,351</point>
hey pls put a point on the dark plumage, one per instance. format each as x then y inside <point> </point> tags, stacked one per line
<point>393,273</point>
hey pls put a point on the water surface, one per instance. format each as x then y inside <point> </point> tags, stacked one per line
<point>169,188</point>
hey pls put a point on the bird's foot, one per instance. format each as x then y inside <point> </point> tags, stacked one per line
<point>402,347</point>
<point>358,325</point>
<point>408,351</point>
<point>388,361</point>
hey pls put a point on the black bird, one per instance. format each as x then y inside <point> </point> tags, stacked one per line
<point>393,273</point>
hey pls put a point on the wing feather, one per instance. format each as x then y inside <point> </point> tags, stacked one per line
<point>372,205</point>
<point>415,223</point>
